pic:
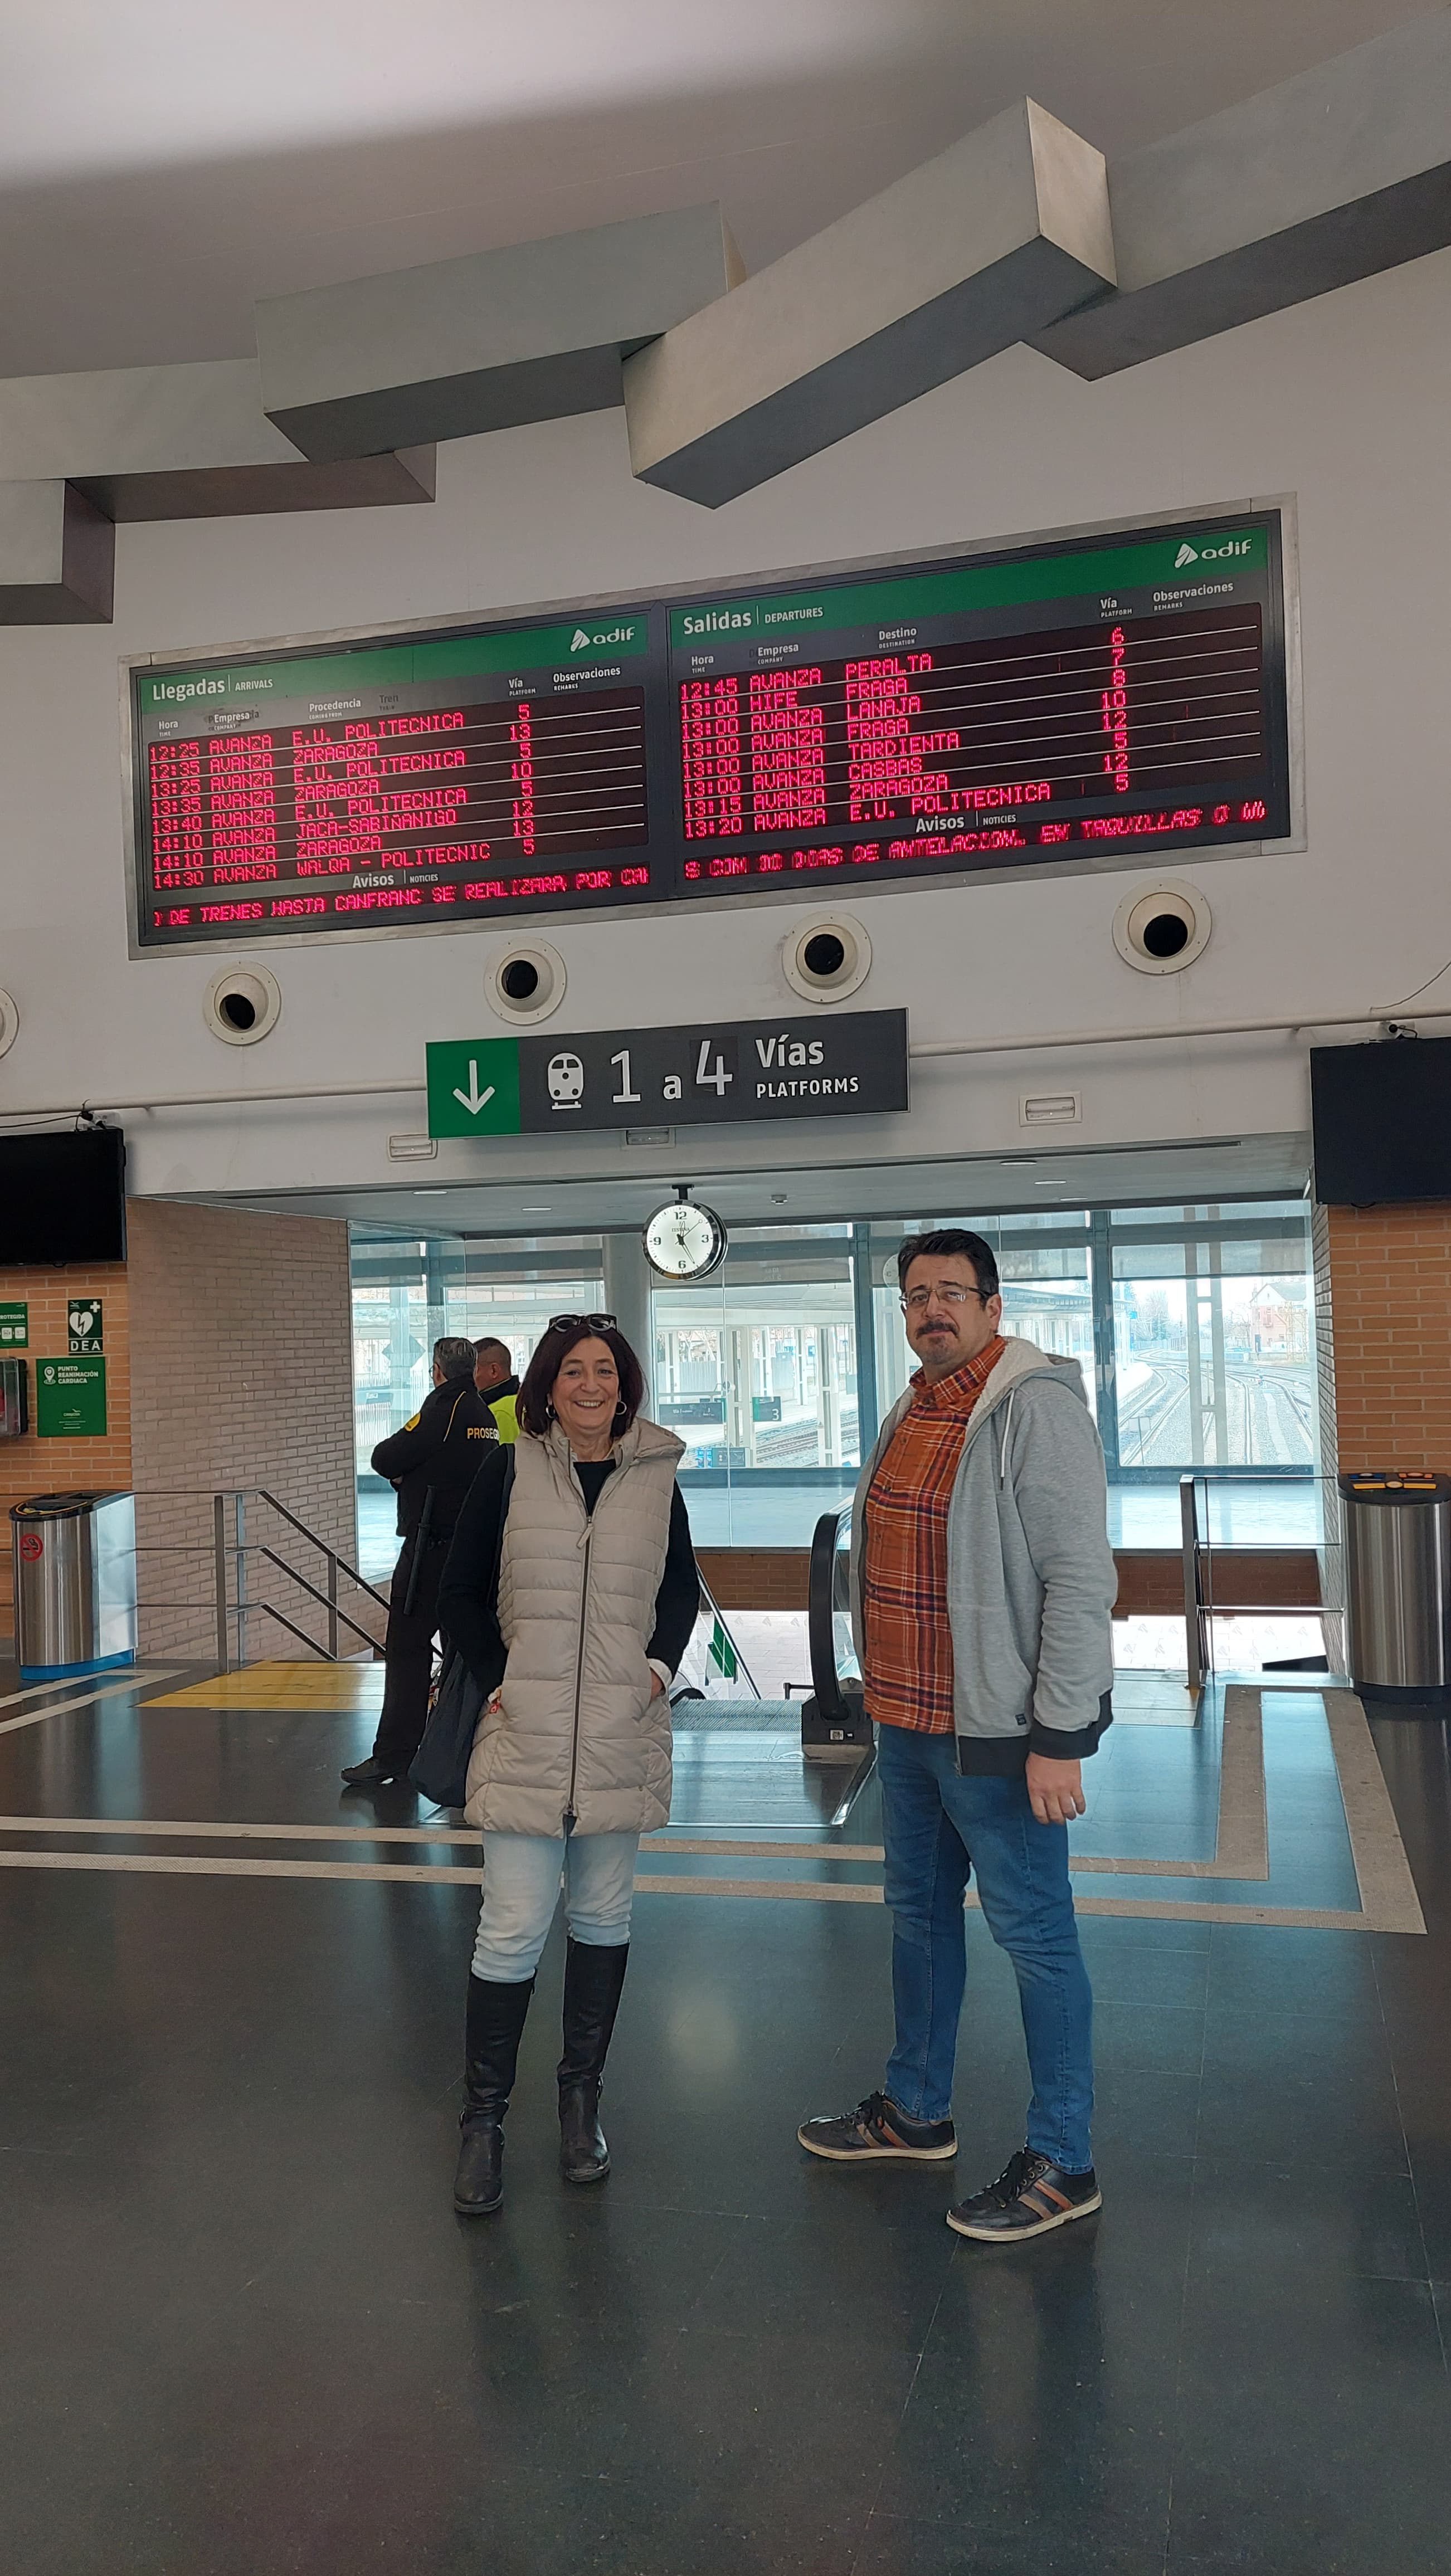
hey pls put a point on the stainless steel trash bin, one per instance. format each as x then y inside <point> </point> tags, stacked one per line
<point>1398,1583</point>
<point>75,1583</point>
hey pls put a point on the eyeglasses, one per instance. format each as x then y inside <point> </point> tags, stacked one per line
<point>596,1323</point>
<point>921,1298</point>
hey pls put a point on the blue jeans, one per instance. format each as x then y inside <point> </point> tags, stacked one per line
<point>522,1874</point>
<point>938,1829</point>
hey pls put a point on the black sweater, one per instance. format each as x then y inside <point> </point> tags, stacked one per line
<point>468,1600</point>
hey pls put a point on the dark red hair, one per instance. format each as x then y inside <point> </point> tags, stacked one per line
<point>549,1356</point>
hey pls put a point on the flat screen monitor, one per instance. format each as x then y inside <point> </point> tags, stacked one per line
<point>63,1198</point>
<point>1381,1116</point>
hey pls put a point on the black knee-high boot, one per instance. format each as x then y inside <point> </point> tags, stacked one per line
<point>592,1982</point>
<point>493,2030</point>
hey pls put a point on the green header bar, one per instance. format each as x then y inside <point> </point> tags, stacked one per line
<point>572,646</point>
<point>1177,559</point>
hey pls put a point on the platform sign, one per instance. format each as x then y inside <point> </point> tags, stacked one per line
<point>473,1087</point>
<point>83,1323</point>
<point>14,1325</point>
<point>711,1073</point>
<point>70,1399</point>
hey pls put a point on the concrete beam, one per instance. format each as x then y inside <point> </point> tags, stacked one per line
<point>263,491</point>
<point>487,342</point>
<point>57,557</point>
<point>977,249</point>
<point>1334,175</point>
<point>186,442</point>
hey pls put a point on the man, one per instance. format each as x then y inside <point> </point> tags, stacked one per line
<point>982,1583</point>
<point>495,1381</point>
<point>432,1461</point>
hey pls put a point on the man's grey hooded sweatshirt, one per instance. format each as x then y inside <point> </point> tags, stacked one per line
<point>1030,1573</point>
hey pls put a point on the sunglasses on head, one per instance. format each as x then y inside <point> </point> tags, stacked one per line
<point>595,1323</point>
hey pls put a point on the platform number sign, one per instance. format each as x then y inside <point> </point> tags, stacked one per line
<point>83,1324</point>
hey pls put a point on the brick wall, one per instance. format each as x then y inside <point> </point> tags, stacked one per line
<point>1332,1549</point>
<point>36,1466</point>
<point>1386,1286</point>
<point>241,1374</point>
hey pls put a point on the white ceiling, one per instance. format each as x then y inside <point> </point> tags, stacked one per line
<point>164,162</point>
<point>1118,1176</point>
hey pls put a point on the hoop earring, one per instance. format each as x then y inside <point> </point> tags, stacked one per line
<point>620,1410</point>
<point>549,1413</point>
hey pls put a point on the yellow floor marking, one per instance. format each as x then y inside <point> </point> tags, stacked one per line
<point>299,1687</point>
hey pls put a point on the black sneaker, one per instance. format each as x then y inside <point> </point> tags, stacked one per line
<point>876,2132</point>
<point>375,1772</point>
<point>1031,2195</point>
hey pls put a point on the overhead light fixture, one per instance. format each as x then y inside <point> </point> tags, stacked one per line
<point>535,1211</point>
<point>437,1192</point>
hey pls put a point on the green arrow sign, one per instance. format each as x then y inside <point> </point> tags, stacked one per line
<point>473,1087</point>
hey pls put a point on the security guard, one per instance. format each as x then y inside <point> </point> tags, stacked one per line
<point>432,1461</point>
<point>495,1380</point>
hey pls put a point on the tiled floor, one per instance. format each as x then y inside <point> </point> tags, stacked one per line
<point>244,2333</point>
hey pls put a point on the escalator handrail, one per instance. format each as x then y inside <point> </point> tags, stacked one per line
<point>821,1616</point>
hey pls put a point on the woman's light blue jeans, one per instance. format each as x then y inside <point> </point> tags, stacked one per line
<point>939,1829</point>
<point>522,1877</point>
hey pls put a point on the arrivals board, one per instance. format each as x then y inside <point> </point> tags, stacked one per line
<point>1092,700</point>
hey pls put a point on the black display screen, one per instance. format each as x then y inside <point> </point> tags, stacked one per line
<point>1059,701</point>
<point>1381,1117</point>
<point>63,1198</point>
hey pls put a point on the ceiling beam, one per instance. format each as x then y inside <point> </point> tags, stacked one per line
<point>975,250</point>
<point>532,333</point>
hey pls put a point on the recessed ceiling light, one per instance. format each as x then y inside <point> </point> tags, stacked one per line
<point>534,1211</point>
<point>437,1193</point>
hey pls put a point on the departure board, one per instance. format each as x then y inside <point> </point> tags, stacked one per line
<point>986,714</point>
<point>1090,701</point>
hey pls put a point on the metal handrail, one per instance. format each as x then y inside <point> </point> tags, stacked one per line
<point>229,1605</point>
<point>709,1602</point>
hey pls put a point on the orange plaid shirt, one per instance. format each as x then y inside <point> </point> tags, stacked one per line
<point>907,1657</point>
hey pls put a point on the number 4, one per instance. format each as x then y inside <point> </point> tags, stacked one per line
<point>712,1077</point>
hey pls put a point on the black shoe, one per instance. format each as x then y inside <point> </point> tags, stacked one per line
<point>493,2030</point>
<point>375,1772</point>
<point>876,2132</point>
<point>478,2183</point>
<point>1031,2195</point>
<point>593,1979</point>
<point>584,2155</point>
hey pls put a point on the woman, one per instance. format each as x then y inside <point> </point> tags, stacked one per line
<point>571,1593</point>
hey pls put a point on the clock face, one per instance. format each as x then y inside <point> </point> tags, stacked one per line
<point>683,1241</point>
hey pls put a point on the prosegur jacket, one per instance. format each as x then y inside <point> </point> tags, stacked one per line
<point>577,1733</point>
<point>442,1448</point>
<point>1030,1573</point>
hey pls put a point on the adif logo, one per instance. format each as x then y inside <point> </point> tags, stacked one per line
<point>582,642</point>
<point>1188,554</point>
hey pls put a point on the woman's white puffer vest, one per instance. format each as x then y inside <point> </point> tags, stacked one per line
<point>577,1729</point>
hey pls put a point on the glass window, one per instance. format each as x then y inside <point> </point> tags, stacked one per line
<point>777,1372</point>
<point>756,1370</point>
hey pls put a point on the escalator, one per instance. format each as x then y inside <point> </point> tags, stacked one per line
<point>835,1726</point>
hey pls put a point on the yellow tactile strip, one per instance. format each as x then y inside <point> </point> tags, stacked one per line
<point>299,1687</point>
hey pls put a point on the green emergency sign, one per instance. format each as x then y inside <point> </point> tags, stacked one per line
<point>70,1399</point>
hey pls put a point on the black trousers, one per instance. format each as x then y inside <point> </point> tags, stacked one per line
<point>408,1650</point>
